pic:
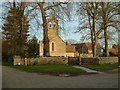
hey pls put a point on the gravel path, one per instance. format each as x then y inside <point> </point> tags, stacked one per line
<point>13,78</point>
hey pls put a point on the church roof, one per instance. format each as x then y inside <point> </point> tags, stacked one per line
<point>70,48</point>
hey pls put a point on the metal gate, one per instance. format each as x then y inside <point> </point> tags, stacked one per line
<point>73,60</point>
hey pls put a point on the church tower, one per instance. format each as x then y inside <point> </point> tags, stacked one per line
<point>57,47</point>
<point>52,25</point>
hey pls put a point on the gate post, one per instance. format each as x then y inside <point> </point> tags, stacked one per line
<point>79,59</point>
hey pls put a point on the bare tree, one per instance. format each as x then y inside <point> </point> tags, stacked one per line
<point>100,16</point>
<point>90,9</point>
<point>109,12</point>
<point>44,8</point>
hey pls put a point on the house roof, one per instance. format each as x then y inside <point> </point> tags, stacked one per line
<point>112,50</point>
<point>87,44</point>
<point>70,48</point>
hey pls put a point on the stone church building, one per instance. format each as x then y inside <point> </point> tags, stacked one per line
<point>57,47</point>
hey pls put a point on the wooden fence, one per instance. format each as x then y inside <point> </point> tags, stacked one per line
<point>83,61</point>
<point>73,60</point>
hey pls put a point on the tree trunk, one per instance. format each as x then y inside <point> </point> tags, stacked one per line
<point>104,17</point>
<point>92,41</point>
<point>94,38</point>
<point>95,46</point>
<point>45,39</point>
<point>106,42</point>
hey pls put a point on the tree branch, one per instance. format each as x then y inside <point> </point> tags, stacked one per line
<point>31,11</point>
<point>49,7</point>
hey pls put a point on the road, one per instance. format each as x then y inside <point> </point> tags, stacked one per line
<point>13,78</point>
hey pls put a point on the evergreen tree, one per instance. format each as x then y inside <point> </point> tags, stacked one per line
<point>33,47</point>
<point>15,30</point>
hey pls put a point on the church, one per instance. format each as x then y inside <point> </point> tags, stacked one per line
<point>57,47</point>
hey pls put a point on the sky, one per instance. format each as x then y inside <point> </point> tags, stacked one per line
<point>68,33</point>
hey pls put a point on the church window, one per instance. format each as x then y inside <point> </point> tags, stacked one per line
<point>52,46</point>
<point>54,25</point>
<point>50,25</point>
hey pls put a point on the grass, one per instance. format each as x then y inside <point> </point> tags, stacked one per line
<point>59,69</point>
<point>51,69</point>
<point>4,63</point>
<point>103,67</point>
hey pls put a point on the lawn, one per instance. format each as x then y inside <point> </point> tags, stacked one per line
<point>103,67</point>
<point>52,69</point>
<point>6,63</point>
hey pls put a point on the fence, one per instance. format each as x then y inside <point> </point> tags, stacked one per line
<point>84,61</point>
<point>96,60</point>
<point>73,60</point>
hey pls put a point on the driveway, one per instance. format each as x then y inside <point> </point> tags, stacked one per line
<point>13,78</point>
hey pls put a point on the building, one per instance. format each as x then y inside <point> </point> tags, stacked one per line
<point>70,51</point>
<point>85,49</point>
<point>113,52</point>
<point>57,47</point>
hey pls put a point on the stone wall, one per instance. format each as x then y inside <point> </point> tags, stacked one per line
<point>52,60</point>
<point>18,60</point>
<point>108,60</point>
<point>40,60</point>
<point>63,60</point>
<point>47,60</point>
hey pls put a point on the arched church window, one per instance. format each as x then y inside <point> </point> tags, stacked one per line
<point>50,26</point>
<point>52,46</point>
<point>54,26</point>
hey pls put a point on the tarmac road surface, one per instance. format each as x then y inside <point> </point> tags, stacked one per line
<point>13,78</point>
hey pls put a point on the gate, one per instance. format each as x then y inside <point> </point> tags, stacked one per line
<point>73,60</point>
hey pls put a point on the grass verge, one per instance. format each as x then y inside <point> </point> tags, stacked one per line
<point>51,69</point>
<point>103,67</point>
